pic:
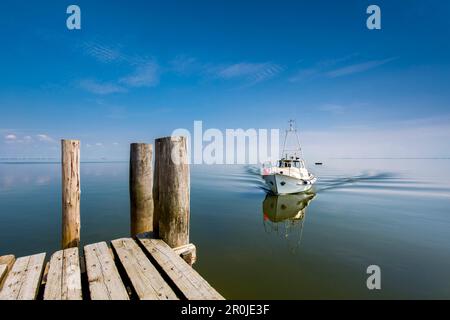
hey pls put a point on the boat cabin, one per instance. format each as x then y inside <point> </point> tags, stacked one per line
<point>291,163</point>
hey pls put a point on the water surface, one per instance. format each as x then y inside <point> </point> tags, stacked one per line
<point>393,213</point>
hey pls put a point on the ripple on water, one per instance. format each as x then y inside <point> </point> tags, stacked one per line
<point>247,179</point>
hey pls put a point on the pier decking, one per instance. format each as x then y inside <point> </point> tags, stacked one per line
<point>140,267</point>
<point>145,269</point>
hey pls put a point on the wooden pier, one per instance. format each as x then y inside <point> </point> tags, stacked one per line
<point>143,266</point>
<point>145,269</point>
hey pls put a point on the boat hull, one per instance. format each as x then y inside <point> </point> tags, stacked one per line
<point>282,184</point>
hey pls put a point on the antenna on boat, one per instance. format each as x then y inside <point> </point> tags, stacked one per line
<point>293,130</point>
<point>292,125</point>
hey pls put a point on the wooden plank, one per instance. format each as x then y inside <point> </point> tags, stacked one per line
<point>104,279</point>
<point>22,282</point>
<point>3,272</point>
<point>71,280</point>
<point>145,278</point>
<point>190,283</point>
<point>187,252</point>
<point>6,263</point>
<point>64,276</point>
<point>8,260</point>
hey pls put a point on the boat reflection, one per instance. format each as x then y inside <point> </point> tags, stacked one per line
<point>284,215</point>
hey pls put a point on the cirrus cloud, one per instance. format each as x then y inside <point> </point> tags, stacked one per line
<point>252,72</point>
<point>101,88</point>
<point>145,75</point>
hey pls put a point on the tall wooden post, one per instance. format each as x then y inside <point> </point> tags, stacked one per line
<point>171,191</point>
<point>70,160</point>
<point>141,188</point>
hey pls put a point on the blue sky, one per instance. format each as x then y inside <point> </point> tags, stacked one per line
<point>140,69</point>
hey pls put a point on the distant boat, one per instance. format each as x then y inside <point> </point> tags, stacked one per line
<point>290,174</point>
<point>319,163</point>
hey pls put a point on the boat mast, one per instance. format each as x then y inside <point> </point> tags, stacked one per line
<point>292,130</point>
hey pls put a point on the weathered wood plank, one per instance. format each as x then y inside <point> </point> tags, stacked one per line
<point>64,276</point>
<point>54,275</point>
<point>190,283</point>
<point>104,279</point>
<point>187,252</point>
<point>6,263</point>
<point>8,260</point>
<point>145,278</point>
<point>22,282</point>
<point>3,272</point>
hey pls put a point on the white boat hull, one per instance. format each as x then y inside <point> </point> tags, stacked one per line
<point>283,184</point>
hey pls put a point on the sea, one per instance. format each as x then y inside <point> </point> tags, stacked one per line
<point>390,213</point>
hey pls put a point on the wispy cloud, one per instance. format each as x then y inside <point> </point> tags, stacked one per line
<point>254,72</point>
<point>101,88</point>
<point>108,54</point>
<point>145,71</point>
<point>324,68</point>
<point>250,72</point>
<point>146,75</point>
<point>327,63</point>
<point>45,138</point>
<point>100,52</point>
<point>357,68</point>
<point>185,65</point>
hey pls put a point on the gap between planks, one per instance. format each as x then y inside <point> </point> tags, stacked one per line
<point>145,278</point>
<point>186,279</point>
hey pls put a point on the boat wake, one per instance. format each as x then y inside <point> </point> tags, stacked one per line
<point>246,180</point>
<point>331,183</point>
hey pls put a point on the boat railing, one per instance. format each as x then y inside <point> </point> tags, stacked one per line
<point>267,168</point>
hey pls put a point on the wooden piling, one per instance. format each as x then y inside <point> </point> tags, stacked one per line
<point>141,188</point>
<point>171,191</point>
<point>70,193</point>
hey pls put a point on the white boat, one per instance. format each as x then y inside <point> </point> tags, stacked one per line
<point>290,174</point>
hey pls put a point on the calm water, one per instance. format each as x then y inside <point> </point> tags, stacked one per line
<point>392,213</point>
